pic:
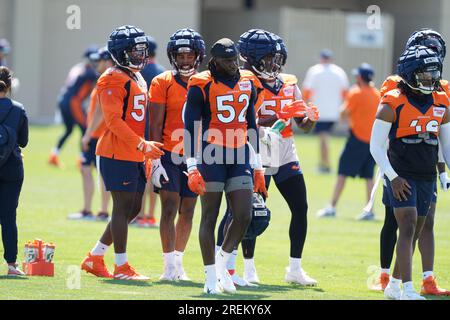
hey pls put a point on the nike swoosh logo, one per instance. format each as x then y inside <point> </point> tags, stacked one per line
<point>126,183</point>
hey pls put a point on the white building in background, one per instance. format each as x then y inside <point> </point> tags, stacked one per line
<point>44,48</point>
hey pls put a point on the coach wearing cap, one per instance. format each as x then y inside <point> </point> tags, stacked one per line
<point>359,109</point>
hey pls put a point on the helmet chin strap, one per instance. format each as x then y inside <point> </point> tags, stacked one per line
<point>133,67</point>
<point>263,75</point>
<point>419,89</point>
<point>187,73</point>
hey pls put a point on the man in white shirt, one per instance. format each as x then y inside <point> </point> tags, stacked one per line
<point>325,85</point>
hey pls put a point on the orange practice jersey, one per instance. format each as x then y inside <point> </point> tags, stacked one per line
<point>274,101</point>
<point>391,83</point>
<point>409,120</point>
<point>92,107</point>
<point>362,104</point>
<point>123,100</point>
<point>169,90</point>
<point>228,106</point>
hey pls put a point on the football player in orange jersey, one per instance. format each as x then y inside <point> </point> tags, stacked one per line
<point>223,99</point>
<point>95,128</point>
<point>412,117</point>
<point>122,149</point>
<point>388,236</point>
<point>168,91</point>
<point>264,54</point>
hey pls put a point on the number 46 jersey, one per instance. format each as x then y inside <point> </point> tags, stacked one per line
<point>123,98</point>
<point>413,144</point>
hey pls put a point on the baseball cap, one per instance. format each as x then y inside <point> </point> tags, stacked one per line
<point>4,46</point>
<point>326,54</point>
<point>365,70</point>
<point>224,48</point>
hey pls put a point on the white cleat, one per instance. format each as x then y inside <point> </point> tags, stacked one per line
<point>181,275</point>
<point>328,212</point>
<point>14,271</point>
<point>169,274</point>
<point>251,277</point>
<point>238,281</point>
<point>211,289</point>
<point>392,293</point>
<point>224,281</point>
<point>411,295</point>
<point>300,277</point>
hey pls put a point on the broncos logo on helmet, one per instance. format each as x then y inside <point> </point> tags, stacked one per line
<point>128,46</point>
<point>264,51</point>
<point>428,38</point>
<point>420,68</point>
<point>183,41</point>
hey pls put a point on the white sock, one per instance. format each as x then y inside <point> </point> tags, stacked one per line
<point>121,259</point>
<point>426,274</point>
<point>408,286</point>
<point>231,264</point>
<point>178,258</point>
<point>55,151</point>
<point>169,259</point>
<point>222,258</point>
<point>393,282</point>
<point>385,271</point>
<point>99,249</point>
<point>249,265</point>
<point>217,249</point>
<point>295,264</point>
<point>210,274</point>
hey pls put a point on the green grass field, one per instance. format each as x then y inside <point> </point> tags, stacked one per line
<point>338,253</point>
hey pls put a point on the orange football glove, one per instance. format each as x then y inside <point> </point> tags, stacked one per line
<point>195,182</point>
<point>312,112</point>
<point>296,108</point>
<point>151,149</point>
<point>259,182</point>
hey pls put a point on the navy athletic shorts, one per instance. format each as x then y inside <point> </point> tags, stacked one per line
<point>356,159</point>
<point>120,175</point>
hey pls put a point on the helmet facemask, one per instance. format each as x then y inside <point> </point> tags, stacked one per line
<point>137,57</point>
<point>269,67</point>
<point>427,81</point>
<point>184,67</point>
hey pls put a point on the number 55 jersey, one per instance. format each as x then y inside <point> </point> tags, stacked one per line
<point>123,99</point>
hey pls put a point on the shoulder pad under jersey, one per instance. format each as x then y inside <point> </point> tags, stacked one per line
<point>200,79</point>
<point>288,78</point>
